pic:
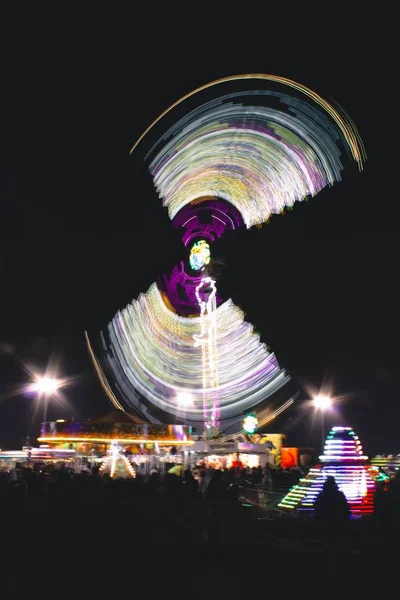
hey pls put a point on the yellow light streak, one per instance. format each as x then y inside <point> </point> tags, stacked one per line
<point>102,378</point>
<point>345,124</point>
<point>110,440</point>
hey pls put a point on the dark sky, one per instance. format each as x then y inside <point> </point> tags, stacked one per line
<point>83,233</point>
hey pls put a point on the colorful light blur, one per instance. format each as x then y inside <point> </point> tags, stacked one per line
<point>348,130</point>
<point>199,255</point>
<point>343,458</point>
<point>230,163</point>
<point>109,440</point>
<point>117,467</point>
<point>161,355</point>
<point>207,340</point>
<point>250,424</point>
<point>258,158</point>
<point>211,218</point>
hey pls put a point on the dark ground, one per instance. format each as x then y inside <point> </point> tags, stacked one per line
<point>90,553</point>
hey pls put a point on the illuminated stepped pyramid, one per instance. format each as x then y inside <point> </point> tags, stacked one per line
<point>116,465</point>
<point>344,459</point>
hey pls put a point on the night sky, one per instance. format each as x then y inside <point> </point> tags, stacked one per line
<point>83,233</point>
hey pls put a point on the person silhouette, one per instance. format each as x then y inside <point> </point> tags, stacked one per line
<point>332,510</point>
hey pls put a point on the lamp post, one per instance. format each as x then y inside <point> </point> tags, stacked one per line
<point>322,403</point>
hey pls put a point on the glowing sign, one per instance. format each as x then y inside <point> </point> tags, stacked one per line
<point>250,423</point>
<point>199,255</point>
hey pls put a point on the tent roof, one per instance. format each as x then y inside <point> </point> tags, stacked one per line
<point>120,416</point>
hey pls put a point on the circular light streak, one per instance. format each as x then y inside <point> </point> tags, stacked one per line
<point>350,133</point>
<point>259,158</point>
<point>231,162</point>
<point>157,355</point>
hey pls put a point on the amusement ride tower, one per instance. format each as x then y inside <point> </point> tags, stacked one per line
<point>180,353</point>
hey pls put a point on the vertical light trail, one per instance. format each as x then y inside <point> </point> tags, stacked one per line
<point>209,351</point>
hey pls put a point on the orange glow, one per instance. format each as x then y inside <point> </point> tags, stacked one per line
<point>289,457</point>
<point>110,440</point>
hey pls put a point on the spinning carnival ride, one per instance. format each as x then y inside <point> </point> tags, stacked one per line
<point>180,353</point>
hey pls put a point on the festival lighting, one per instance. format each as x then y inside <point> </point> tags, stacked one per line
<point>258,158</point>
<point>199,255</point>
<point>386,462</point>
<point>205,294</point>
<point>116,464</point>
<point>161,355</point>
<point>250,424</point>
<point>346,127</point>
<point>344,460</point>
<point>270,416</point>
<point>229,163</point>
<point>184,399</point>
<point>105,440</point>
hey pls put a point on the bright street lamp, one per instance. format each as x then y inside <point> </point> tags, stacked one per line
<point>46,386</point>
<point>322,403</point>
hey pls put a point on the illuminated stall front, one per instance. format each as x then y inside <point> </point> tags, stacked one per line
<point>227,454</point>
<point>94,438</point>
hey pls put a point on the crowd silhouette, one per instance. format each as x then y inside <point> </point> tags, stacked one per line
<point>193,505</point>
<point>53,514</point>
